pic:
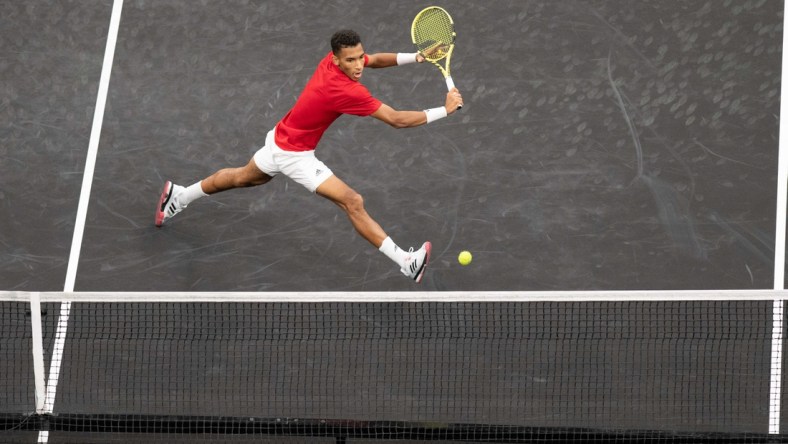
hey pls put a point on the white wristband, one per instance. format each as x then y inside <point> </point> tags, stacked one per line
<point>434,114</point>
<point>404,58</point>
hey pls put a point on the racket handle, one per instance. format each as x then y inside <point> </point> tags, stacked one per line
<point>450,86</point>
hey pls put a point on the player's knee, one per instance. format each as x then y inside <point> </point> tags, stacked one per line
<point>354,203</point>
<point>247,177</point>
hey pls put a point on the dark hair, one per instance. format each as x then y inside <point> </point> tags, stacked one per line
<point>344,39</point>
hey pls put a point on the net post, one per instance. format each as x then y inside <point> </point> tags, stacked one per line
<point>38,350</point>
<point>775,385</point>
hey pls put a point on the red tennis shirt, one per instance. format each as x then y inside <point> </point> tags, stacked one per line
<point>328,94</point>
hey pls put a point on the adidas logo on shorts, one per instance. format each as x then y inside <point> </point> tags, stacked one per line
<point>318,171</point>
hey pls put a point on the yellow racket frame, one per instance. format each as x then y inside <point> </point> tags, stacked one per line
<point>433,34</point>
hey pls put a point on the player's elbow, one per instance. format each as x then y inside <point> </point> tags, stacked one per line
<point>399,124</point>
<point>400,120</point>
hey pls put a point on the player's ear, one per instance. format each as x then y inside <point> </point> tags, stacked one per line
<point>335,59</point>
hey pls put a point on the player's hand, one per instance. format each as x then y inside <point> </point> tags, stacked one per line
<point>453,100</point>
<point>435,51</point>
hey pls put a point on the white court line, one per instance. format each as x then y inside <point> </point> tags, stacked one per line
<point>775,385</point>
<point>84,198</point>
<point>57,357</point>
<point>95,135</point>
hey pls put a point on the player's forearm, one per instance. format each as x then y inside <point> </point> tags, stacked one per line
<point>386,59</point>
<point>382,60</point>
<point>408,119</point>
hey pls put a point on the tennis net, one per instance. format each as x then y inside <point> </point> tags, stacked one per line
<point>366,367</point>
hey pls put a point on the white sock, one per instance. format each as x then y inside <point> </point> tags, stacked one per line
<point>191,193</point>
<point>395,253</point>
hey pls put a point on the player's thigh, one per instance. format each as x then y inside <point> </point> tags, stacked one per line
<point>304,168</point>
<point>337,191</point>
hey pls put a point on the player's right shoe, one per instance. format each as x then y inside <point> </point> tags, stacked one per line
<point>168,203</point>
<point>416,263</point>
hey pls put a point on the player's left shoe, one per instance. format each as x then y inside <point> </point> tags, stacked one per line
<point>416,264</point>
<point>168,203</point>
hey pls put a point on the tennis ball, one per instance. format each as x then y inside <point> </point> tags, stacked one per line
<point>465,257</point>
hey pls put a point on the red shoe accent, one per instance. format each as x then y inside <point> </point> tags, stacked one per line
<point>420,274</point>
<point>166,193</point>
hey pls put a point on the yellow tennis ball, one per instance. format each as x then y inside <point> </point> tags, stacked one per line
<point>465,257</point>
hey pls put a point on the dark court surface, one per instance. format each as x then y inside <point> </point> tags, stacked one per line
<point>50,66</point>
<point>604,145</point>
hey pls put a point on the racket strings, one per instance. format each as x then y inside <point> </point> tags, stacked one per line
<point>433,34</point>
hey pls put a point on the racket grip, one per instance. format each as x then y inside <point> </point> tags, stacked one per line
<point>450,86</point>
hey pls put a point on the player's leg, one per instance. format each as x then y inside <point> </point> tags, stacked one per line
<point>174,198</point>
<point>352,203</point>
<point>229,178</point>
<point>411,263</point>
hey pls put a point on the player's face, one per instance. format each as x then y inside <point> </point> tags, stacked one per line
<point>351,61</point>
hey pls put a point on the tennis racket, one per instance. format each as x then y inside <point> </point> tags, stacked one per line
<point>433,34</point>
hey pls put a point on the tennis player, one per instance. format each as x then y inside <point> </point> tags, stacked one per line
<point>334,89</point>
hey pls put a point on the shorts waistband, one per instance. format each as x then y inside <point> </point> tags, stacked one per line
<point>270,140</point>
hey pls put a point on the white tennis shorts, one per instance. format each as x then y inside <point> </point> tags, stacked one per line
<point>301,166</point>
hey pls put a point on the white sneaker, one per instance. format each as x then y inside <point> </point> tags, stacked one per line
<point>168,202</point>
<point>416,263</point>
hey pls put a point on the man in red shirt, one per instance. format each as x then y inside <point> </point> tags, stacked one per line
<point>334,89</point>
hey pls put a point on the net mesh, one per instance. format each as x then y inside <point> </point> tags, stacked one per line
<point>491,371</point>
<point>16,385</point>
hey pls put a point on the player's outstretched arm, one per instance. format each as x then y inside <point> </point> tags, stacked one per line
<point>410,119</point>
<point>387,59</point>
